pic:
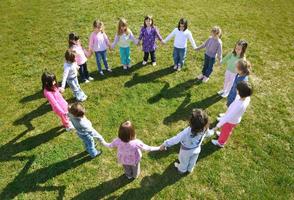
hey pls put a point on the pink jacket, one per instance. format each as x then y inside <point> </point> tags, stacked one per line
<point>57,102</point>
<point>98,41</point>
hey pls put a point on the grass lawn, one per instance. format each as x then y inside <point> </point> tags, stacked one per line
<point>39,160</point>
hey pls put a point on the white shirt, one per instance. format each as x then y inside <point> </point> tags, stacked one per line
<point>235,112</point>
<point>70,72</point>
<point>181,38</point>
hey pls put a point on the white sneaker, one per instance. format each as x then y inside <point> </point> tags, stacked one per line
<point>90,78</point>
<point>210,132</point>
<point>175,67</point>
<point>179,68</point>
<point>218,118</point>
<point>218,133</point>
<point>205,79</point>
<point>154,64</point>
<point>101,72</point>
<point>125,67</point>
<point>200,77</point>
<point>144,63</point>
<point>215,142</point>
<point>109,70</point>
<point>224,95</point>
<point>86,81</point>
<point>220,92</point>
<point>221,114</point>
<point>129,65</point>
<point>70,128</point>
<point>177,165</point>
<point>84,99</point>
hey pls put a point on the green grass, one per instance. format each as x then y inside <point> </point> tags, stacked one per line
<point>38,160</point>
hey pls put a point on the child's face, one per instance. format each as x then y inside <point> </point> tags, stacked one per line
<point>97,29</point>
<point>123,28</point>
<point>148,22</point>
<point>238,70</point>
<point>238,49</point>
<point>213,34</point>
<point>182,27</point>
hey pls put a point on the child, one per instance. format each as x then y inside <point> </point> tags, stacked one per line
<point>190,139</point>
<point>98,43</point>
<point>81,59</point>
<point>129,149</point>
<point>181,34</point>
<point>234,114</point>
<point>231,60</point>
<point>213,46</point>
<point>84,128</point>
<point>123,39</point>
<point>70,76</point>
<point>57,102</point>
<point>148,34</point>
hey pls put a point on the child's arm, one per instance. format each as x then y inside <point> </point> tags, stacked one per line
<point>220,52</point>
<point>192,41</point>
<point>64,77</point>
<point>229,116</point>
<point>174,140</point>
<point>159,37</point>
<point>202,46</point>
<point>54,103</point>
<point>140,36</point>
<point>115,41</point>
<point>172,34</point>
<point>91,41</point>
<point>226,58</point>
<point>132,37</point>
<point>113,144</point>
<point>146,147</point>
<point>107,40</point>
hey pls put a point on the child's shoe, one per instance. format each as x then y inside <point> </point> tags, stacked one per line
<point>144,62</point>
<point>129,66</point>
<point>218,133</point>
<point>179,68</point>
<point>175,67</point>
<point>125,67</point>
<point>101,72</point>
<point>109,70</point>
<point>205,79</point>
<point>224,95</point>
<point>154,64</point>
<point>84,99</point>
<point>220,92</point>
<point>70,128</point>
<point>215,142</point>
<point>90,78</point>
<point>86,81</point>
<point>221,114</point>
<point>200,77</point>
<point>210,132</point>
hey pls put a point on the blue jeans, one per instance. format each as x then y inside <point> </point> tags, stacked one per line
<point>101,55</point>
<point>179,55</point>
<point>208,65</point>
<point>125,57</point>
<point>89,144</point>
<point>83,70</point>
<point>187,160</point>
<point>75,87</point>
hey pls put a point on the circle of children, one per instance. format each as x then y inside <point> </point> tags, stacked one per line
<point>236,88</point>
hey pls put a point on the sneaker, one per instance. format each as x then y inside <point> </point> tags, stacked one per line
<point>86,81</point>
<point>129,177</point>
<point>177,165</point>
<point>179,68</point>
<point>210,132</point>
<point>98,153</point>
<point>125,67</point>
<point>129,66</point>
<point>200,77</point>
<point>221,114</point>
<point>109,70</point>
<point>215,142</point>
<point>154,64</point>
<point>70,128</point>
<point>218,118</point>
<point>218,133</point>
<point>205,79</point>
<point>101,72</point>
<point>84,99</point>
<point>224,95</point>
<point>90,78</point>
<point>220,92</point>
<point>175,67</point>
<point>144,62</point>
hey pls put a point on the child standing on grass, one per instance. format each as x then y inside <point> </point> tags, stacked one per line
<point>129,149</point>
<point>123,39</point>
<point>234,114</point>
<point>190,139</point>
<point>57,102</point>
<point>98,43</point>
<point>81,59</point>
<point>70,76</point>
<point>84,128</point>
<point>213,46</point>
<point>181,34</point>
<point>148,35</point>
<point>231,60</point>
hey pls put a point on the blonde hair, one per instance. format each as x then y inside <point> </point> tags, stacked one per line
<point>217,31</point>
<point>98,24</point>
<point>122,23</point>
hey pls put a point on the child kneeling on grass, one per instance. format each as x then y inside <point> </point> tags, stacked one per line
<point>190,139</point>
<point>84,128</point>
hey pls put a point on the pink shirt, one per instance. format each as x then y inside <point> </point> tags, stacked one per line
<point>98,41</point>
<point>57,102</point>
<point>80,56</point>
<point>129,153</point>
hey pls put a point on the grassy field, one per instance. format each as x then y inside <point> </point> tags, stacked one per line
<point>39,160</point>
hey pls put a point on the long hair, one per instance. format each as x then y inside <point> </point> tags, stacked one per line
<point>122,23</point>
<point>99,24</point>
<point>72,38</point>
<point>126,131</point>
<point>150,18</point>
<point>184,22</point>
<point>48,80</point>
<point>244,46</point>
<point>244,66</point>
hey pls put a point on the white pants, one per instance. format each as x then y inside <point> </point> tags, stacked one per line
<point>187,160</point>
<point>229,80</point>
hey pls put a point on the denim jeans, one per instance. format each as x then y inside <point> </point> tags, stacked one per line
<point>132,171</point>
<point>89,144</point>
<point>125,57</point>
<point>152,54</point>
<point>75,87</point>
<point>187,160</point>
<point>101,55</point>
<point>208,65</point>
<point>179,55</point>
<point>83,70</point>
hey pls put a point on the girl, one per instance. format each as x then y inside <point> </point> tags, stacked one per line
<point>84,128</point>
<point>81,59</point>
<point>234,114</point>
<point>70,76</point>
<point>98,43</point>
<point>213,46</point>
<point>57,102</point>
<point>123,39</point>
<point>190,139</point>
<point>230,60</point>
<point>129,149</point>
<point>181,34</point>
<point>148,34</point>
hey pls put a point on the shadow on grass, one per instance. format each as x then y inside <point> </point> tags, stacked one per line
<point>184,110</point>
<point>32,97</point>
<point>149,77</point>
<point>26,182</point>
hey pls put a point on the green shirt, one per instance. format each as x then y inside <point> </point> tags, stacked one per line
<point>230,60</point>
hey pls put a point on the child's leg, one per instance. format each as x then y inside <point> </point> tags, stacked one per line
<point>205,64</point>
<point>136,170</point>
<point>82,72</point>
<point>209,68</point>
<point>229,80</point>
<point>122,56</point>
<point>78,92</point>
<point>104,58</point>
<point>128,170</point>
<point>89,145</point>
<point>98,58</point>
<point>86,72</point>
<point>176,56</point>
<point>226,131</point>
<point>184,158</point>
<point>153,56</point>
<point>128,55</point>
<point>192,162</point>
<point>64,120</point>
<point>182,56</point>
<point>146,55</point>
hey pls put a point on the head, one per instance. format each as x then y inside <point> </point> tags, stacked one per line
<point>148,21</point>
<point>70,56</point>
<point>122,26</point>
<point>244,89</point>
<point>77,109</point>
<point>98,26</point>
<point>126,131</point>
<point>49,81</point>
<point>243,67</point>
<point>199,121</point>
<point>216,32</point>
<point>73,38</point>
<point>240,48</point>
<point>183,24</point>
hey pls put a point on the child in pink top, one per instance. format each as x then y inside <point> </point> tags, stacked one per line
<point>57,102</point>
<point>129,149</point>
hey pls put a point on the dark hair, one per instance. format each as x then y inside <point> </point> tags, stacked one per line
<point>150,18</point>
<point>244,66</point>
<point>72,38</point>
<point>77,109</point>
<point>244,89</point>
<point>70,56</point>
<point>47,81</point>
<point>126,131</point>
<point>244,46</point>
<point>198,121</point>
<point>183,21</point>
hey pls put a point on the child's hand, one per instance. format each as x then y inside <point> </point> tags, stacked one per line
<point>61,89</point>
<point>162,148</point>
<point>162,42</point>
